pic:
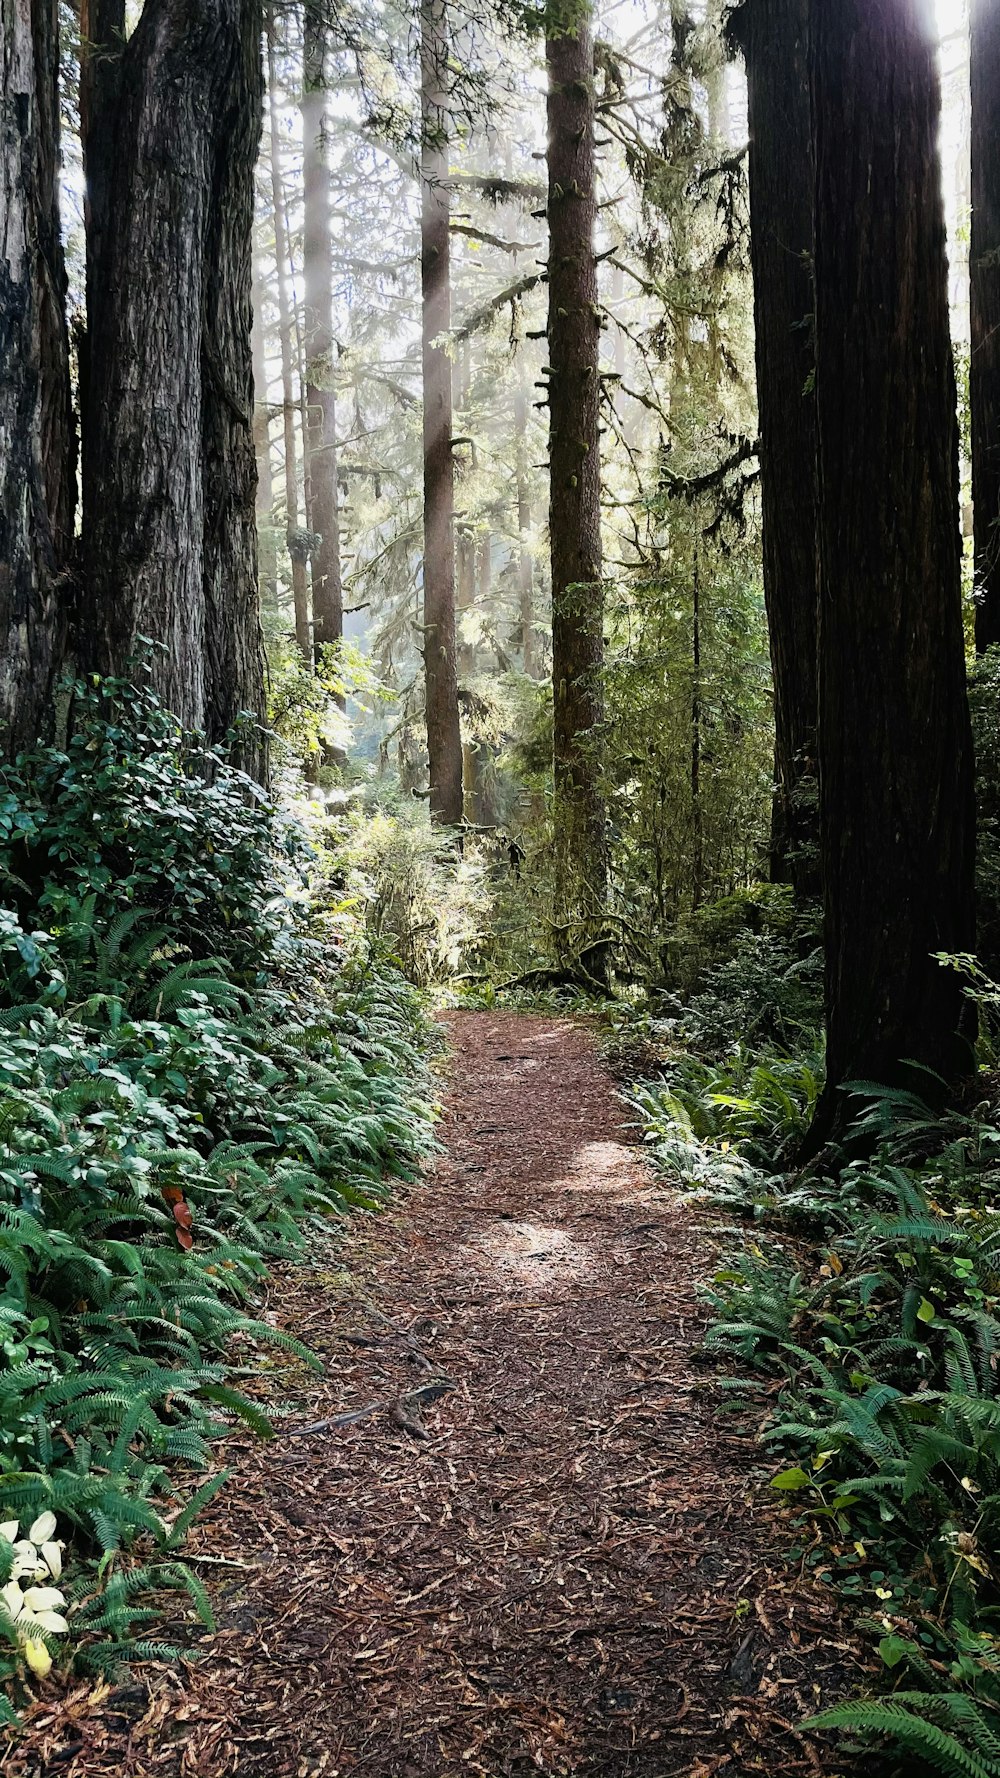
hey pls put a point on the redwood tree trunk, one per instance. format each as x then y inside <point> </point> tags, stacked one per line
<point>234,646</point>
<point>327,588</point>
<point>984,277</point>
<point>37,482</point>
<point>575,475</point>
<point>894,740</point>
<point>444,739</point>
<point>102,42</point>
<point>169,541</point>
<point>774,35</point>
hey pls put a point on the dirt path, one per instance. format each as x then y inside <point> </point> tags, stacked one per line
<point>572,1572</point>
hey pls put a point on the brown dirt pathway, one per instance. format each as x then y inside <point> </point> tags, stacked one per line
<point>563,1564</point>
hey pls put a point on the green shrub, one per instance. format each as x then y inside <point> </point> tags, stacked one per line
<point>870,1297</point>
<point>190,1077</point>
<point>711,934</point>
<point>704,1117</point>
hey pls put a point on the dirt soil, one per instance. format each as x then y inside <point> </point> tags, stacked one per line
<point>547,1550</point>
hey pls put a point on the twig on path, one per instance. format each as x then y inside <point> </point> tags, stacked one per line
<point>223,1562</point>
<point>414,1398</point>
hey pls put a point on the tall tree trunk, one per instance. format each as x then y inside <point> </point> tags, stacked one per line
<point>298,548</point>
<point>266,544</point>
<point>575,475</point>
<point>234,648</point>
<point>102,44</point>
<point>327,589</point>
<point>774,35</point>
<point>37,481</point>
<point>525,563</point>
<point>169,547</point>
<point>984,278</point>
<point>444,739</point>
<point>895,749</point>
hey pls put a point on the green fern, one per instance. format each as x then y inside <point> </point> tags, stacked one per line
<point>889,1719</point>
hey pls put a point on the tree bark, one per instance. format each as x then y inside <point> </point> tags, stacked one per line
<point>895,750</point>
<point>102,44</point>
<point>234,645</point>
<point>327,587</point>
<point>444,739</point>
<point>298,548</point>
<point>984,279</point>
<point>169,540</point>
<point>774,36</point>
<point>575,474</point>
<point>37,479</point>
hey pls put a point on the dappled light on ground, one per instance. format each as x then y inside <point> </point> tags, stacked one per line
<point>510,1532</point>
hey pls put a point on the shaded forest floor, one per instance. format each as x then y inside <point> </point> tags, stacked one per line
<point>556,1557</point>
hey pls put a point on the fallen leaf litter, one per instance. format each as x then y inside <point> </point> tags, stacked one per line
<point>510,1531</point>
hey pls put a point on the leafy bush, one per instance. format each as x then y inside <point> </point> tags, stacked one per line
<point>189,1076</point>
<point>707,1116</point>
<point>712,933</point>
<point>447,912</point>
<point>871,1297</point>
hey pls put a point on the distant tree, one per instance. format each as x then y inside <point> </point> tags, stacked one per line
<point>266,541</point>
<point>895,753</point>
<point>444,738</point>
<point>327,589</point>
<point>525,563</point>
<point>574,464</point>
<point>296,534</point>
<point>984,358</point>
<point>774,37</point>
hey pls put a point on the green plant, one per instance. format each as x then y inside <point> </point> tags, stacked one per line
<point>870,1294</point>
<point>194,1073</point>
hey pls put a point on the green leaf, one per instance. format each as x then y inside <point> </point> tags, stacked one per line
<point>926,1311</point>
<point>791,1478</point>
<point>893,1649</point>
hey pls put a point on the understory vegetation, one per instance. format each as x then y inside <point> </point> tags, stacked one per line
<point>859,1303</point>
<point>196,1069</point>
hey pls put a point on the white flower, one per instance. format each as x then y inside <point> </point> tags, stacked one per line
<point>31,1612</point>
<point>13,1599</point>
<point>26,1562</point>
<point>43,1528</point>
<point>43,1598</point>
<point>9,1530</point>
<point>52,1556</point>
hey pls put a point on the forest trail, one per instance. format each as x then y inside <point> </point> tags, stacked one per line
<point>573,1572</point>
